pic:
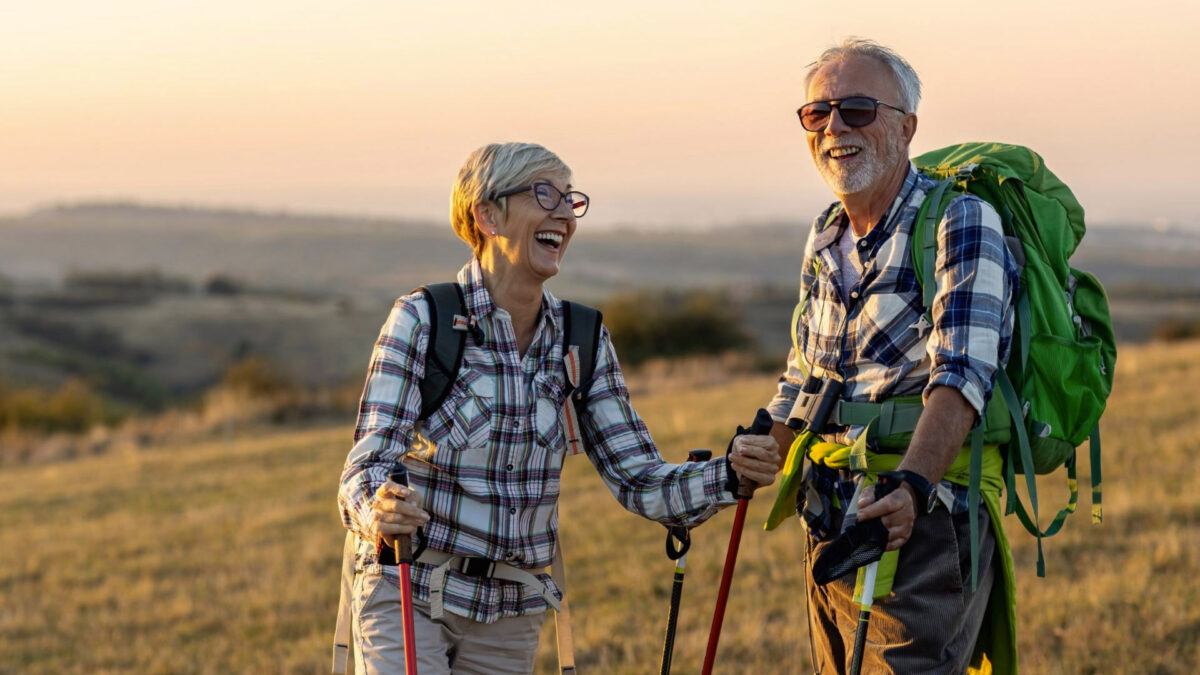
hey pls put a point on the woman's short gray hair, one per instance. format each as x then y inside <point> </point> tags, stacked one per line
<point>906,77</point>
<point>491,169</point>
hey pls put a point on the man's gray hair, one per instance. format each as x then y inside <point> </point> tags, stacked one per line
<point>906,77</point>
<point>492,169</point>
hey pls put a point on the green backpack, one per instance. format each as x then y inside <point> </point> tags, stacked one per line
<point>1060,371</point>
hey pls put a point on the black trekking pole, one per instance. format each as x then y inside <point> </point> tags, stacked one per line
<point>864,618</point>
<point>678,553</point>
<point>860,545</point>
<point>762,425</point>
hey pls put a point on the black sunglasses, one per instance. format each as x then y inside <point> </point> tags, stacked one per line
<point>856,111</point>
<point>549,197</point>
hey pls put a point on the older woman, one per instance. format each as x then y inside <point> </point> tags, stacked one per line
<point>485,466</point>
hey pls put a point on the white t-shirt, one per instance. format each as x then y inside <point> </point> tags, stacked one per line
<point>848,259</point>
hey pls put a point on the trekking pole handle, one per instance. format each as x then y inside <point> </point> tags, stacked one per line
<point>761,427</point>
<point>399,475</point>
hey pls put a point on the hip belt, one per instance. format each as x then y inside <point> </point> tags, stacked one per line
<point>480,568</point>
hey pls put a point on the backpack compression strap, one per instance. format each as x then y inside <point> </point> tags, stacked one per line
<point>447,317</point>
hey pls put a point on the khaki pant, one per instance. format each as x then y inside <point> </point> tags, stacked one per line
<point>452,645</point>
<point>930,621</point>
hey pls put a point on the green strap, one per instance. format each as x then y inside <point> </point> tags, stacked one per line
<point>894,416</point>
<point>931,213</point>
<point>1024,323</point>
<point>1029,518</point>
<point>801,306</point>
<point>1014,503</point>
<point>1097,509</point>
<point>976,472</point>
<point>795,337</point>
<point>1061,516</point>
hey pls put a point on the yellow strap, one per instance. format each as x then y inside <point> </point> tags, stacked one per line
<point>839,456</point>
<point>789,481</point>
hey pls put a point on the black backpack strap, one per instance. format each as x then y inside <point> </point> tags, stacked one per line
<point>582,329</point>
<point>446,344</point>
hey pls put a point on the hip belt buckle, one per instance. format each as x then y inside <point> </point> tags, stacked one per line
<point>477,567</point>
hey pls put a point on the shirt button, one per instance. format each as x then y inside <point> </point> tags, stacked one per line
<point>510,556</point>
<point>512,510</point>
<point>854,294</point>
<point>516,424</point>
<point>862,244</point>
<point>509,467</point>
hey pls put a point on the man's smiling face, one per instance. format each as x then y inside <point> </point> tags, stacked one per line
<point>852,160</point>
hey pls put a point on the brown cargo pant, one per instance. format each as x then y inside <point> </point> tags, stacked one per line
<point>929,622</point>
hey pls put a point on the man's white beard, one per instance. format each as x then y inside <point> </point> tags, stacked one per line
<point>870,169</point>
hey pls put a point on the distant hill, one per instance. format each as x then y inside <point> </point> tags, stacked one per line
<point>383,258</point>
<point>317,287</point>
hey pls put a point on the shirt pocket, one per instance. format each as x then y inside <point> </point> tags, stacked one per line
<point>886,324</point>
<point>551,396</point>
<point>466,414</point>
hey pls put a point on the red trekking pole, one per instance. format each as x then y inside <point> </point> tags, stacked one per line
<point>404,558</point>
<point>762,426</point>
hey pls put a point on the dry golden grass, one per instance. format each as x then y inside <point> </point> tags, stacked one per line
<point>213,557</point>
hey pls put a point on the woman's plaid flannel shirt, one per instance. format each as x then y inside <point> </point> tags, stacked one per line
<point>487,463</point>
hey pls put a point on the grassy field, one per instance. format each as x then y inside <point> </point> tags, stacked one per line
<point>222,557</point>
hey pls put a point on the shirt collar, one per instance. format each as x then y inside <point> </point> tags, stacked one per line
<point>834,220</point>
<point>479,300</point>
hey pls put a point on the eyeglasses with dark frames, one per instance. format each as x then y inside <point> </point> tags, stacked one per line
<point>856,111</point>
<point>549,197</point>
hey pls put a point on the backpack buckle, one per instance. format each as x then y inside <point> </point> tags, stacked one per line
<point>477,567</point>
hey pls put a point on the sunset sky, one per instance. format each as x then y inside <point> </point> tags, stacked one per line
<point>669,112</point>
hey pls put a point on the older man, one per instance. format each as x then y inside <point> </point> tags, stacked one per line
<point>861,323</point>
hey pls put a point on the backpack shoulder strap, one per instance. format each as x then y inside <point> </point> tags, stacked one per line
<point>581,326</point>
<point>447,340</point>
<point>446,343</point>
<point>582,329</point>
<point>924,240</point>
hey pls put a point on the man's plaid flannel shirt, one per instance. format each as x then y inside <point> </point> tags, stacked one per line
<point>873,337</point>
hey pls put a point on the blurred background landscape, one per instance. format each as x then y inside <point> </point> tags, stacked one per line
<point>116,311</point>
<point>177,389</point>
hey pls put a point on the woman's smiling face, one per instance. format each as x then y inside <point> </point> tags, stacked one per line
<point>532,240</point>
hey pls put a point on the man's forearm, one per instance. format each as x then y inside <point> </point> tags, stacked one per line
<point>940,433</point>
<point>784,436</point>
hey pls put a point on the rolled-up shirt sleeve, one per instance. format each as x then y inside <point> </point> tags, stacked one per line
<point>621,449</point>
<point>972,308</point>
<point>387,412</point>
<point>787,390</point>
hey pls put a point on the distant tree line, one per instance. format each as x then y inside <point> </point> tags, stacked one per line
<point>647,324</point>
<point>150,281</point>
<point>1175,329</point>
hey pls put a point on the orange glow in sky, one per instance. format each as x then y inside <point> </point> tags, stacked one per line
<point>669,112</point>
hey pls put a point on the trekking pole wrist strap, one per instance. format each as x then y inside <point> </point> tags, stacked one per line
<point>924,490</point>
